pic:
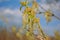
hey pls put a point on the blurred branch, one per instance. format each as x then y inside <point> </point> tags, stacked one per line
<point>50,12</point>
<point>57,17</point>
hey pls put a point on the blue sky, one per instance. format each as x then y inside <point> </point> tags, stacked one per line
<point>11,15</point>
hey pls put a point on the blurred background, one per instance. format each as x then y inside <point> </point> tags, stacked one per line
<point>10,15</point>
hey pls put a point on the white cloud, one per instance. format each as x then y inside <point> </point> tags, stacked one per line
<point>10,11</point>
<point>11,16</point>
<point>51,3</point>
